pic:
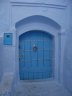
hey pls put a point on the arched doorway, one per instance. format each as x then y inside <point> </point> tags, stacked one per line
<point>36,55</point>
<point>49,27</point>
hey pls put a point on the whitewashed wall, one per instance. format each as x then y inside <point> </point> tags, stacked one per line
<point>68,57</point>
<point>4,27</point>
<point>12,11</point>
<point>57,10</point>
<point>4,16</point>
<point>1,66</point>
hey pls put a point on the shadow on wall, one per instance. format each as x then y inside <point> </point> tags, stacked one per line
<point>38,18</point>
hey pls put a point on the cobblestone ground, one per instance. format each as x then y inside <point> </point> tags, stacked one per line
<point>41,88</point>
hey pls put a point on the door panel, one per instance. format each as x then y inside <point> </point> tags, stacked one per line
<point>35,55</point>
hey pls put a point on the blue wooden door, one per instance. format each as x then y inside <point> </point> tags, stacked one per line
<point>35,55</point>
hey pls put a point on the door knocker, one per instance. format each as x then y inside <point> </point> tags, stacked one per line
<point>35,48</point>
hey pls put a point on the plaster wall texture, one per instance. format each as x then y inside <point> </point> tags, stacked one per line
<point>12,11</point>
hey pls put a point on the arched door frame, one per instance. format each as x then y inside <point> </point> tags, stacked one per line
<point>42,27</point>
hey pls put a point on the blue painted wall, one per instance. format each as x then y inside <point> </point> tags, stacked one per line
<point>4,26</point>
<point>12,11</point>
<point>1,66</point>
<point>4,16</point>
<point>68,56</point>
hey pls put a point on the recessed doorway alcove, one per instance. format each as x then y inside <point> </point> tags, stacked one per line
<point>37,48</point>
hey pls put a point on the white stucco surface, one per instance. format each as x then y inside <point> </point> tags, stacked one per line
<point>12,12</point>
<point>40,88</point>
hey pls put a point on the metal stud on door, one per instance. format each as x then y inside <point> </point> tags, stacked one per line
<point>36,52</point>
